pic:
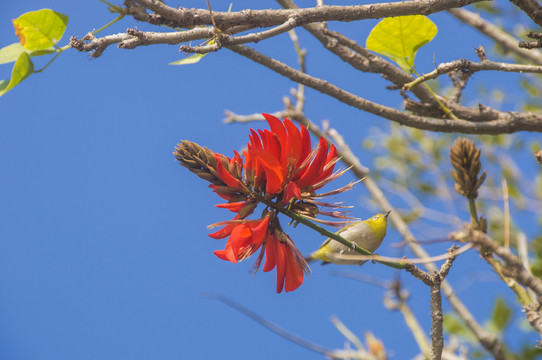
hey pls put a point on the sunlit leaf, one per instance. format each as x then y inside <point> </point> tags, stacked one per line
<point>191,59</point>
<point>39,30</point>
<point>22,68</point>
<point>188,60</point>
<point>399,38</point>
<point>12,52</point>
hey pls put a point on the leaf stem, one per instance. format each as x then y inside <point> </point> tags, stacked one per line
<point>108,24</point>
<point>441,104</point>
<point>49,63</point>
<point>474,213</point>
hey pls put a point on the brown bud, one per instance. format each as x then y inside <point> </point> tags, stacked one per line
<point>538,156</point>
<point>465,158</point>
<point>307,209</point>
<point>247,209</point>
<point>483,224</point>
<point>198,160</point>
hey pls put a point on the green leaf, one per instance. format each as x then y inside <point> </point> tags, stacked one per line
<point>191,59</point>
<point>399,38</point>
<point>22,68</point>
<point>454,326</point>
<point>11,52</point>
<point>501,316</point>
<point>188,60</point>
<point>39,30</point>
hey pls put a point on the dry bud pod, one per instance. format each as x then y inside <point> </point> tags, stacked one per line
<point>538,156</point>
<point>465,158</point>
<point>198,160</point>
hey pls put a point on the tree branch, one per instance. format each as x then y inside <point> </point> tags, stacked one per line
<point>435,282</point>
<point>507,41</point>
<point>188,18</point>
<point>507,123</point>
<point>530,7</point>
<point>514,269</point>
<point>471,67</point>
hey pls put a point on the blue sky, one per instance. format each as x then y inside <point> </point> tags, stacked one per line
<point>105,252</point>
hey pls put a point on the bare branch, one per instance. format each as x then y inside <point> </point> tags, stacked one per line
<point>507,123</point>
<point>435,283</point>
<point>269,325</point>
<point>188,18</point>
<point>471,67</point>
<point>514,264</point>
<point>532,312</point>
<point>530,7</point>
<point>507,41</point>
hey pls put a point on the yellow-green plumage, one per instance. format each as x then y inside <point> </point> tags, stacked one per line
<point>367,234</point>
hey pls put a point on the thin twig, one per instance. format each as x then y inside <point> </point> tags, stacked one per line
<point>507,41</point>
<point>472,67</point>
<point>269,325</point>
<point>506,213</point>
<point>515,267</point>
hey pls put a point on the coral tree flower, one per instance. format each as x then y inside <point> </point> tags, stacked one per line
<point>280,169</point>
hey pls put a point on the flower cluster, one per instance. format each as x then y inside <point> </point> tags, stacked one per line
<point>465,158</point>
<point>279,169</point>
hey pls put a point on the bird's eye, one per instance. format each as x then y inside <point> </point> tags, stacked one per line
<point>375,218</point>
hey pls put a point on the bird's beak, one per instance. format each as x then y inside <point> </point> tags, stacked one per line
<point>386,214</point>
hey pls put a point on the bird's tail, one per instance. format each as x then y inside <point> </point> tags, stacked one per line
<point>309,258</point>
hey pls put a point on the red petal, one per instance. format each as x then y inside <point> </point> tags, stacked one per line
<point>226,254</point>
<point>224,232</point>
<point>306,144</point>
<point>273,170</point>
<point>255,139</point>
<point>240,238</point>
<point>259,231</point>
<point>315,168</point>
<point>294,145</point>
<point>272,143</point>
<point>270,253</point>
<point>291,190</point>
<point>277,128</point>
<point>235,206</point>
<point>281,265</point>
<point>331,156</point>
<point>294,272</point>
<point>225,175</point>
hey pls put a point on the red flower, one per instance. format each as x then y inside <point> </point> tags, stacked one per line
<point>247,236</point>
<point>280,169</point>
<point>284,156</point>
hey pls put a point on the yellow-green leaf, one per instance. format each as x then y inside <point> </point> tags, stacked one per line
<point>39,30</point>
<point>191,59</point>
<point>22,68</point>
<point>12,52</point>
<point>399,38</point>
<point>188,60</point>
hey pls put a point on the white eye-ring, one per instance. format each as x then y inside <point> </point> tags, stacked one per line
<point>375,218</point>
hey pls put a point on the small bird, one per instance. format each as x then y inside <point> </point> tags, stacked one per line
<point>367,234</point>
